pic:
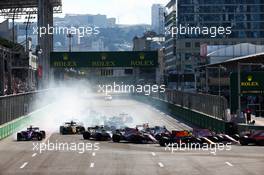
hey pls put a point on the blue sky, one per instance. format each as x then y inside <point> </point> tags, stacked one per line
<point>127,11</point>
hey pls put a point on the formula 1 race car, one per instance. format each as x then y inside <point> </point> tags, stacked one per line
<point>98,133</point>
<point>158,132</point>
<point>32,133</point>
<point>71,128</point>
<point>212,138</point>
<point>133,135</point>
<point>179,137</point>
<point>120,121</point>
<point>256,138</point>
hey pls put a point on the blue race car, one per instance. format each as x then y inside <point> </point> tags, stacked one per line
<point>32,133</point>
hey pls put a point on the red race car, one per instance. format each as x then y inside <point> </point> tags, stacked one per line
<point>256,138</point>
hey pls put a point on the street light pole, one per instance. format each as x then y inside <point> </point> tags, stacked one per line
<point>219,80</point>
<point>70,41</point>
<point>239,89</point>
<point>206,80</point>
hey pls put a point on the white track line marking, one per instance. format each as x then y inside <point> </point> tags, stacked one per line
<point>213,153</point>
<point>91,165</point>
<point>228,163</point>
<point>24,164</point>
<point>93,154</point>
<point>161,165</point>
<point>153,154</point>
<point>33,155</point>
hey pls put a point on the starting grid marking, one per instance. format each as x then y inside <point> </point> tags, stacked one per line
<point>228,163</point>
<point>92,165</point>
<point>24,165</point>
<point>161,165</point>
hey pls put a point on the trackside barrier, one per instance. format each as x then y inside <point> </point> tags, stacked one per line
<point>210,105</point>
<point>15,106</point>
<point>14,110</point>
<point>245,127</point>
<point>194,118</point>
<point>13,126</point>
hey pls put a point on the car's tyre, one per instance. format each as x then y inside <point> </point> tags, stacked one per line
<point>164,141</point>
<point>260,142</point>
<point>43,134</point>
<point>236,137</point>
<point>86,135</point>
<point>80,130</point>
<point>19,137</point>
<point>220,138</point>
<point>62,130</point>
<point>243,142</point>
<point>158,137</point>
<point>98,137</point>
<point>39,136</point>
<point>116,138</point>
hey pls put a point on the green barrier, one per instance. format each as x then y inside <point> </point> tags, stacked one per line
<point>15,125</point>
<point>11,127</point>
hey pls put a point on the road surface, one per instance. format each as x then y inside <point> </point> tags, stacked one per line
<point>123,158</point>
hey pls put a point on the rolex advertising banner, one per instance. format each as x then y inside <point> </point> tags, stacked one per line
<point>104,59</point>
<point>251,83</point>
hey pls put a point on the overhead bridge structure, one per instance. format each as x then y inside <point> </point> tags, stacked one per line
<point>14,9</point>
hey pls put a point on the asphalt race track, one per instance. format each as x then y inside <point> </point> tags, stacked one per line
<point>125,158</point>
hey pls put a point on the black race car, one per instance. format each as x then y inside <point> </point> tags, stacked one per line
<point>71,128</point>
<point>32,133</point>
<point>133,135</point>
<point>207,135</point>
<point>98,133</point>
<point>158,132</point>
<point>179,137</point>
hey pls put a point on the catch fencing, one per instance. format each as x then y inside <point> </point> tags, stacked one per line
<point>212,105</point>
<point>15,106</point>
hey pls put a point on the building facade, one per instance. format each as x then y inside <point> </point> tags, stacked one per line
<point>244,18</point>
<point>157,18</point>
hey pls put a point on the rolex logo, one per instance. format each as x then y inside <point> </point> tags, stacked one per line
<point>142,56</point>
<point>249,78</point>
